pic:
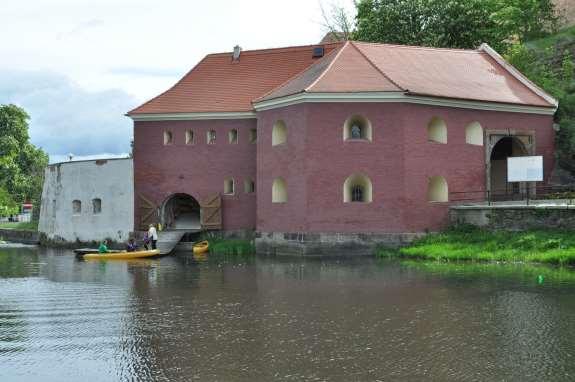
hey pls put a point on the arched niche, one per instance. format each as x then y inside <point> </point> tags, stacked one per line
<point>474,134</point>
<point>279,191</point>
<point>437,130</point>
<point>437,190</point>
<point>357,188</point>
<point>279,133</point>
<point>357,127</point>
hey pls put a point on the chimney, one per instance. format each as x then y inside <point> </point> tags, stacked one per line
<point>237,51</point>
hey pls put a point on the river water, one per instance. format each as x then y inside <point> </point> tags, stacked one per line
<point>275,319</point>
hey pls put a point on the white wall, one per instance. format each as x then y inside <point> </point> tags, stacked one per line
<point>109,180</point>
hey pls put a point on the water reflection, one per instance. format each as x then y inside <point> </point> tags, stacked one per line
<point>215,318</point>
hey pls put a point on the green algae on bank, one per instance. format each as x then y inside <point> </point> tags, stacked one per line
<point>471,243</point>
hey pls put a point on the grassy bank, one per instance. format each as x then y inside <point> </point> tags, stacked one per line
<point>231,246</point>
<point>466,243</point>
<point>31,226</point>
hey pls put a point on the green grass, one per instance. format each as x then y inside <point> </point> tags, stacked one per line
<point>31,226</point>
<point>465,243</point>
<point>231,246</point>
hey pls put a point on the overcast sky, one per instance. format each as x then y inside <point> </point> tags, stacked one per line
<point>77,66</point>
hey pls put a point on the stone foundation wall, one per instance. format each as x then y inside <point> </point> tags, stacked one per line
<point>19,236</point>
<point>328,244</point>
<point>515,218</point>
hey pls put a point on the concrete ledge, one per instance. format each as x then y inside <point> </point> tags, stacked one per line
<point>328,244</point>
<point>20,236</point>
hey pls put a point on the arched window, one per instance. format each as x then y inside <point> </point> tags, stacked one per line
<point>229,186</point>
<point>357,127</point>
<point>233,136</point>
<point>279,191</point>
<point>279,133</point>
<point>437,130</point>
<point>249,186</point>
<point>168,139</point>
<point>474,134</point>
<point>437,190</point>
<point>211,137</point>
<point>96,206</point>
<point>189,137</point>
<point>357,188</point>
<point>253,135</point>
<point>76,207</point>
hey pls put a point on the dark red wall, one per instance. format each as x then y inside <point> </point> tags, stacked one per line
<point>315,162</point>
<point>399,161</point>
<point>198,170</point>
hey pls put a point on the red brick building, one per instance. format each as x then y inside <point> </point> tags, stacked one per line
<point>333,145</point>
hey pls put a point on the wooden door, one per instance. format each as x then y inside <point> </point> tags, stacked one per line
<point>148,212</point>
<point>211,212</point>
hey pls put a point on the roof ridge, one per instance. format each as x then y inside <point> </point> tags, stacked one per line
<point>170,88</point>
<point>327,68</point>
<point>455,50</point>
<point>298,74</point>
<point>377,68</point>
<point>279,49</point>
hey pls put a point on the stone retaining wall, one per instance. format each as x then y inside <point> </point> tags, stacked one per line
<point>328,244</point>
<point>20,236</point>
<point>515,218</point>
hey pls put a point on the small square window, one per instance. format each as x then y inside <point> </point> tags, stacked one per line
<point>253,135</point>
<point>229,186</point>
<point>233,136</point>
<point>97,206</point>
<point>249,186</point>
<point>76,207</point>
<point>189,137</point>
<point>211,137</point>
<point>168,138</point>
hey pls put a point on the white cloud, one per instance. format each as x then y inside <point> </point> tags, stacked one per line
<point>62,57</point>
<point>66,118</point>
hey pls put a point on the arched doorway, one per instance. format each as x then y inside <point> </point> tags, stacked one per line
<point>181,211</point>
<point>504,148</point>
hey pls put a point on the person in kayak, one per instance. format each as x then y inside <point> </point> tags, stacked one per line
<point>131,246</point>
<point>103,247</point>
<point>153,235</point>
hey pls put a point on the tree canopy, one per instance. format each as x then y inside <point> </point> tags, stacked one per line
<point>21,163</point>
<point>453,23</point>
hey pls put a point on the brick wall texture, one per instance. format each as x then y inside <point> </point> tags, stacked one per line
<point>315,162</point>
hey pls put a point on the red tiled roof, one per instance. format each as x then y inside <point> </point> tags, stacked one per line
<point>217,84</point>
<point>446,73</point>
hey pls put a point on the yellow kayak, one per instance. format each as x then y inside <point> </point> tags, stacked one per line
<point>122,255</point>
<point>201,247</point>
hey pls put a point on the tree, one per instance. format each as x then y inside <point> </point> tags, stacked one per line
<point>454,23</point>
<point>21,163</point>
<point>7,205</point>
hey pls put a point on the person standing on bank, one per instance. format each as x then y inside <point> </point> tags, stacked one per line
<point>153,235</point>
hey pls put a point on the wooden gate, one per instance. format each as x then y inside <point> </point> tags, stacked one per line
<point>148,212</point>
<point>211,212</point>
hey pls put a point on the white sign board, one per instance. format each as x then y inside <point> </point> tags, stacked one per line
<point>525,169</point>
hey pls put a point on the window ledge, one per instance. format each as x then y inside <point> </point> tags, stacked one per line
<point>365,140</point>
<point>435,142</point>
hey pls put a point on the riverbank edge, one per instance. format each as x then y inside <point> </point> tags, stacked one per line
<point>20,236</point>
<point>474,244</point>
